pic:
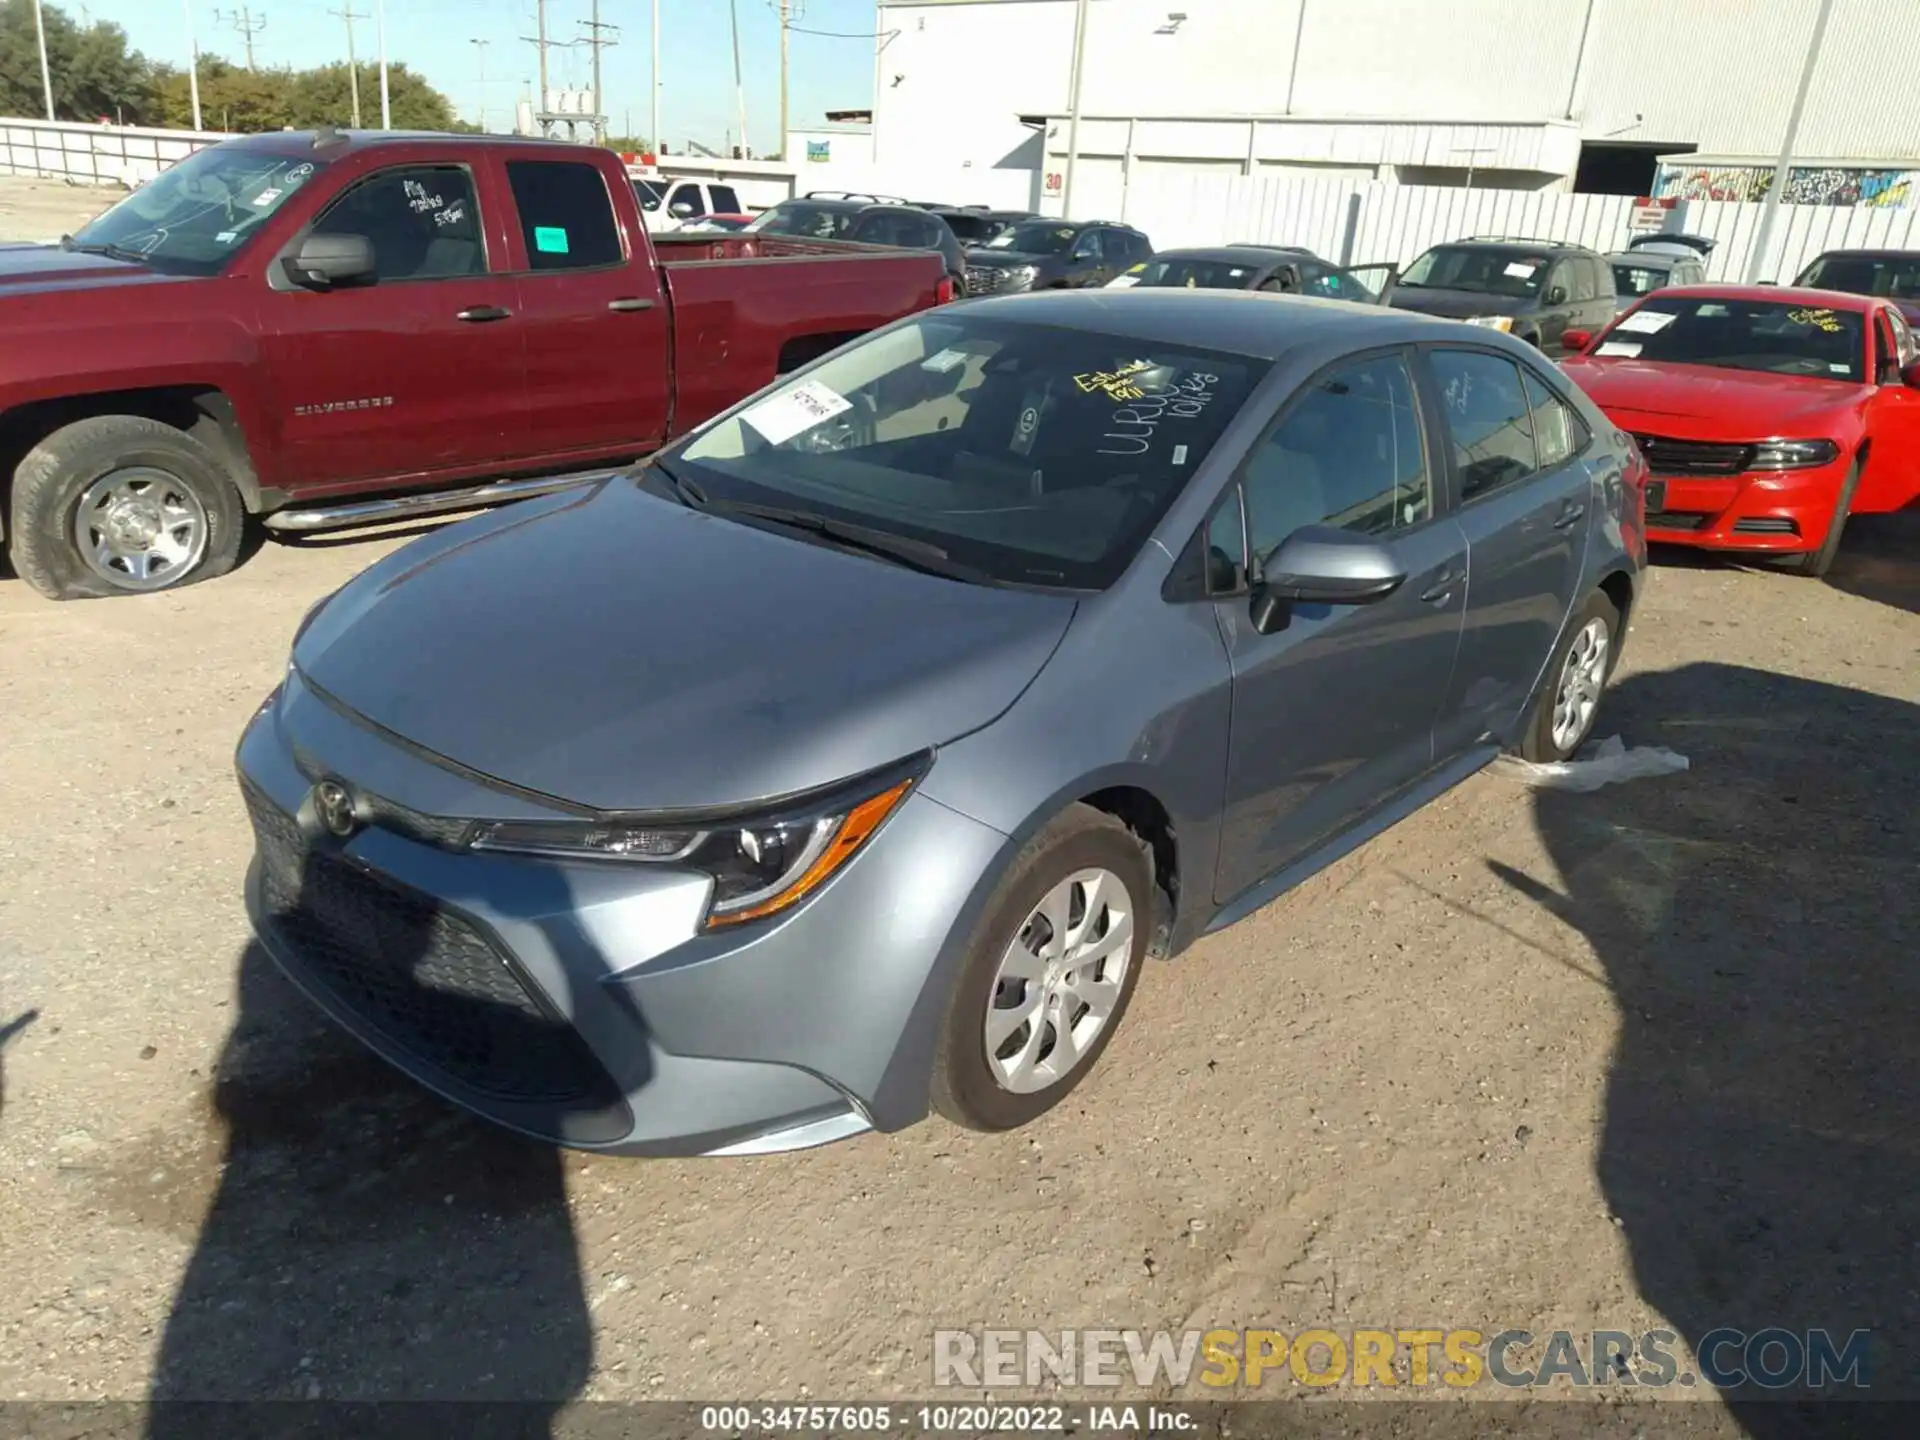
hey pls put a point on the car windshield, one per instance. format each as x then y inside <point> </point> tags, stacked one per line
<point>649,193</point>
<point>1035,237</point>
<point>1476,268</point>
<point>1892,277</point>
<point>1640,279</point>
<point>1031,454</point>
<point>972,229</point>
<point>1193,274</point>
<point>806,219</point>
<point>1774,336</point>
<point>192,217</point>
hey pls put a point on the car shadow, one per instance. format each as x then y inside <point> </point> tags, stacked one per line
<point>367,1241</point>
<point>7,1032</point>
<point>1879,559</point>
<point>1756,919</point>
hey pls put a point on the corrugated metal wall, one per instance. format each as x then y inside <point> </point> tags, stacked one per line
<point>1373,222</point>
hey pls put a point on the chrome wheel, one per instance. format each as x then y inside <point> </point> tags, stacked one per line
<point>1059,981</point>
<point>140,528</point>
<point>1582,679</point>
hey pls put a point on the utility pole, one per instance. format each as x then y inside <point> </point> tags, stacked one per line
<point>481,47</point>
<point>593,28</point>
<point>386,100</point>
<point>653,135</point>
<point>248,27</point>
<point>788,11</point>
<point>349,14</point>
<point>46,75</point>
<point>1073,107</point>
<point>739,84</point>
<point>193,64</point>
<point>1757,258</point>
<point>539,42</point>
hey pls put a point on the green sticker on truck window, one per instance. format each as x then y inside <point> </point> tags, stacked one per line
<point>550,239</point>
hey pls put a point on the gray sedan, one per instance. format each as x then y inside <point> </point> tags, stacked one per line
<point>851,758</point>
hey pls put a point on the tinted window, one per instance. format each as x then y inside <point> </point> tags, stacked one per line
<point>1733,334</point>
<point>1040,454</point>
<point>422,220</point>
<point>650,193</point>
<point>1888,276</point>
<point>1331,284</point>
<point>566,217</point>
<point>725,201</point>
<point>1487,419</point>
<point>1227,546</point>
<point>1347,454</point>
<point>973,229</point>
<point>890,227</point>
<point>1089,246</point>
<point>1481,269</point>
<point>1640,279</point>
<point>1035,237</point>
<point>806,219</point>
<point>1191,274</point>
<point>1557,431</point>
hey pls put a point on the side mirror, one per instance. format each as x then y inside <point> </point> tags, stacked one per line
<point>1574,341</point>
<point>1556,295</point>
<point>681,209</point>
<point>1319,565</point>
<point>324,261</point>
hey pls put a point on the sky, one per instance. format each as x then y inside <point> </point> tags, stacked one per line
<point>826,72</point>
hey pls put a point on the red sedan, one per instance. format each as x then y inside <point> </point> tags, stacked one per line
<point>1767,415</point>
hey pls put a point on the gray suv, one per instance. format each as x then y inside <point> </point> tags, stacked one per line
<point>1535,290</point>
<point>853,756</point>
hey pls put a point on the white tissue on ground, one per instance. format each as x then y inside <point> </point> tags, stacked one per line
<point>1592,766</point>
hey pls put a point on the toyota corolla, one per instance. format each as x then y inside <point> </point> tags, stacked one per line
<point>851,758</point>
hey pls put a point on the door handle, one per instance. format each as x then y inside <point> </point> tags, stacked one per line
<point>481,314</point>
<point>629,304</point>
<point>1441,590</point>
<point>1570,517</point>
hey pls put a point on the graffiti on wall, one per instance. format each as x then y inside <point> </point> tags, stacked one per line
<point>1806,185</point>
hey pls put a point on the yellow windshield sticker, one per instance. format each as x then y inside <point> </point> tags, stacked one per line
<point>1821,319</point>
<point>1115,384</point>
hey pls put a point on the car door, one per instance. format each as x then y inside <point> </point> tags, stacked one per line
<point>1892,476</point>
<point>1602,300</point>
<point>1521,481</point>
<point>1377,279</point>
<point>402,378</point>
<point>1333,712</point>
<point>591,312</point>
<point>1559,302</point>
<point>1089,263</point>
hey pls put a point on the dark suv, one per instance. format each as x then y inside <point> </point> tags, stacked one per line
<point>1042,254</point>
<point>1536,290</point>
<point>1890,274</point>
<point>859,218</point>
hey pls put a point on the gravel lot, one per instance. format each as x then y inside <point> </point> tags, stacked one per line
<point>1530,1060</point>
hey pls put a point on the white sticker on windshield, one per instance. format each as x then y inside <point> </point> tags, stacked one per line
<point>264,199</point>
<point>226,237</point>
<point>793,411</point>
<point>946,360</point>
<point>1646,322</point>
<point>1838,368</point>
<point>1123,282</point>
<point>1179,454</point>
<point>1625,349</point>
<point>1520,269</point>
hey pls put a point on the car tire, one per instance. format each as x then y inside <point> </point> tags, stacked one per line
<point>1816,563</point>
<point>175,513</point>
<point>1569,704</point>
<point>983,1085</point>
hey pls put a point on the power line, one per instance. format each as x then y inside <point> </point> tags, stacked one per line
<point>244,22</point>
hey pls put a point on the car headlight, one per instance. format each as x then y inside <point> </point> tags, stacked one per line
<point>1494,322</point>
<point>1794,454</point>
<point>761,863</point>
<point>1023,274</point>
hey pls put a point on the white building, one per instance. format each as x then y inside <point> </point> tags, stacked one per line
<point>1515,94</point>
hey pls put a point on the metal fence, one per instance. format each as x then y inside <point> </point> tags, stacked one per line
<point>1361,223</point>
<point>94,154</point>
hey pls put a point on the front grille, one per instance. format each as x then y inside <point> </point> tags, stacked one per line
<point>989,280</point>
<point>1765,525</point>
<point>424,978</point>
<point>1675,520</point>
<point>1693,457</point>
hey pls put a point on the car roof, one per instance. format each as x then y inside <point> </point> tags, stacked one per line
<point>1779,294</point>
<point>1497,242</point>
<point>1651,259</point>
<point>1259,326</point>
<point>1868,255</point>
<point>1252,256</point>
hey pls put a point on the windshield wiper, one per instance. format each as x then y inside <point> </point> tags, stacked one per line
<point>657,477</point>
<point>109,249</point>
<point>921,555</point>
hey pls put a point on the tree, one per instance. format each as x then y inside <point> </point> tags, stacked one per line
<point>93,71</point>
<point>324,97</point>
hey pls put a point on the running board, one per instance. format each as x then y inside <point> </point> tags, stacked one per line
<point>1424,791</point>
<point>435,502</point>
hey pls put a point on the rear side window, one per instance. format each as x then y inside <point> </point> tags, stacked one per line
<point>1559,434</point>
<point>566,217</point>
<point>1488,420</point>
<point>1602,276</point>
<point>725,201</point>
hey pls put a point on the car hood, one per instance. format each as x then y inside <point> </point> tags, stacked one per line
<point>1730,404</point>
<point>619,651</point>
<point>1454,304</point>
<point>33,266</point>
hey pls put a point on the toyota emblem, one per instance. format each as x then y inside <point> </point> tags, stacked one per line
<point>333,804</point>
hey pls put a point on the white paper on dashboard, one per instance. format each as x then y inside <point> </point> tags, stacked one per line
<point>1625,349</point>
<point>1123,282</point>
<point>794,411</point>
<point>1520,269</point>
<point>1646,322</point>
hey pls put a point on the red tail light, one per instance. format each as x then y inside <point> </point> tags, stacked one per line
<point>943,294</point>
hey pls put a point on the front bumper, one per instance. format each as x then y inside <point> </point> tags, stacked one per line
<point>580,1002</point>
<point>1771,511</point>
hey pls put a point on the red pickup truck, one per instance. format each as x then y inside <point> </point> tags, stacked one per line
<point>324,329</point>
